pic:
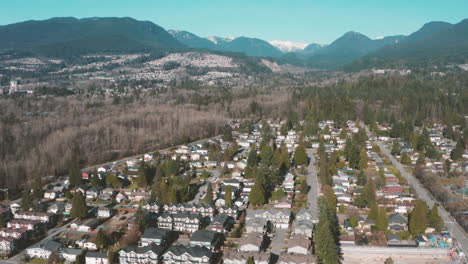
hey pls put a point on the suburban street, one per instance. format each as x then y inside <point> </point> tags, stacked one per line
<point>312,181</point>
<point>458,233</point>
<point>202,190</point>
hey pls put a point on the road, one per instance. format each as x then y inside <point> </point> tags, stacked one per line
<point>202,190</point>
<point>312,181</point>
<point>457,232</point>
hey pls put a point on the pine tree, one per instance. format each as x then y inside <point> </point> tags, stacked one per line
<point>418,218</point>
<point>101,241</point>
<point>250,260</point>
<point>326,248</point>
<point>228,195</point>
<point>331,198</point>
<point>368,192</point>
<point>435,220</point>
<point>381,223</point>
<point>252,158</point>
<point>405,159</point>
<point>457,152</point>
<point>363,159</point>
<point>209,195</point>
<point>396,148</point>
<point>257,194</point>
<point>300,156</point>
<point>79,208</point>
<point>361,178</point>
<point>227,133</point>
<point>373,212</point>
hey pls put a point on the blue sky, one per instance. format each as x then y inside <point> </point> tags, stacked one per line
<point>308,21</point>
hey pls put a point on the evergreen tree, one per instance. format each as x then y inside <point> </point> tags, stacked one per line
<point>102,242</point>
<point>228,195</point>
<point>141,219</point>
<point>363,159</point>
<point>266,156</point>
<point>326,248</point>
<point>373,212</point>
<point>331,198</point>
<point>361,178</point>
<point>418,218</point>
<point>252,158</point>
<point>405,159</point>
<point>79,208</point>
<point>74,175</point>
<point>209,195</point>
<point>300,155</point>
<point>227,133</point>
<point>368,192</point>
<point>26,200</point>
<point>396,148</point>
<point>381,223</point>
<point>250,260</point>
<point>435,220</point>
<point>457,152</point>
<point>257,195</point>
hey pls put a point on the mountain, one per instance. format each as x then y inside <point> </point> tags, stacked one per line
<point>250,46</point>
<point>349,47</point>
<point>312,48</point>
<point>434,43</point>
<point>87,35</point>
<point>288,46</point>
<point>192,40</point>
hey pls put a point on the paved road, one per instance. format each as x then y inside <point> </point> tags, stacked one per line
<point>458,233</point>
<point>312,181</point>
<point>202,190</point>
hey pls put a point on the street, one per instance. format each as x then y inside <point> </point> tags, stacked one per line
<point>312,181</point>
<point>202,190</point>
<point>458,233</point>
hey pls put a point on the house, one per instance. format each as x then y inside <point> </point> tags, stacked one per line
<point>121,197</point>
<point>166,221</point>
<point>35,225</point>
<point>298,244</point>
<point>104,212</point>
<point>206,238</point>
<point>86,226</point>
<point>107,194</point>
<point>56,208</point>
<point>232,211</point>
<point>140,255</point>
<point>8,245</point>
<point>303,227</point>
<point>93,192</point>
<point>70,254</point>
<point>236,257</point>
<point>257,225</point>
<point>253,242</point>
<point>296,259</point>
<point>186,222</point>
<point>14,233</point>
<point>152,207</point>
<point>397,222</point>
<point>95,257</point>
<point>39,216</point>
<point>157,236</point>
<point>43,249</point>
<point>221,223</point>
<point>304,214</point>
<point>279,218</point>
<point>187,255</point>
<point>50,195</point>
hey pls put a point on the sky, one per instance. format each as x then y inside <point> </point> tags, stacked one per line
<point>306,21</point>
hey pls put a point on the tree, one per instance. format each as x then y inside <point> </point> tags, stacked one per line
<point>81,259</point>
<point>26,200</point>
<point>102,242</point>
<point>228,195</point>
<point>361,178</point>
<point>252,158</point>
<point>396,148</point>
<point>457,152</point>
<point>326,248</point>
<point>373,212</point>
<point>381,223</point>
<point>418,218</point>
<point>113,180</point>
<point>79,208</point>
<point>74,175</point>
<point>331,198</point>
<point>304,187</point>
<point>389,260</point>
<point>435,220</point>
<point>363,158</point>
<point>227,133</point>
<point>405,159</point>
<point>141,219</point>
<point>257,195</point>
<point>208,199</point>
<point>300,155</point>
<point>250,260</point>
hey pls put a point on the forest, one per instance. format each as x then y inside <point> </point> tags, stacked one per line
<point>47,135</point>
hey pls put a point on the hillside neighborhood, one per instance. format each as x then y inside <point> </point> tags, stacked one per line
<point>261,192</point>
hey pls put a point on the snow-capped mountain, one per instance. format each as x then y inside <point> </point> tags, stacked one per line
<point>218,40</point>
<point>288,46</point>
